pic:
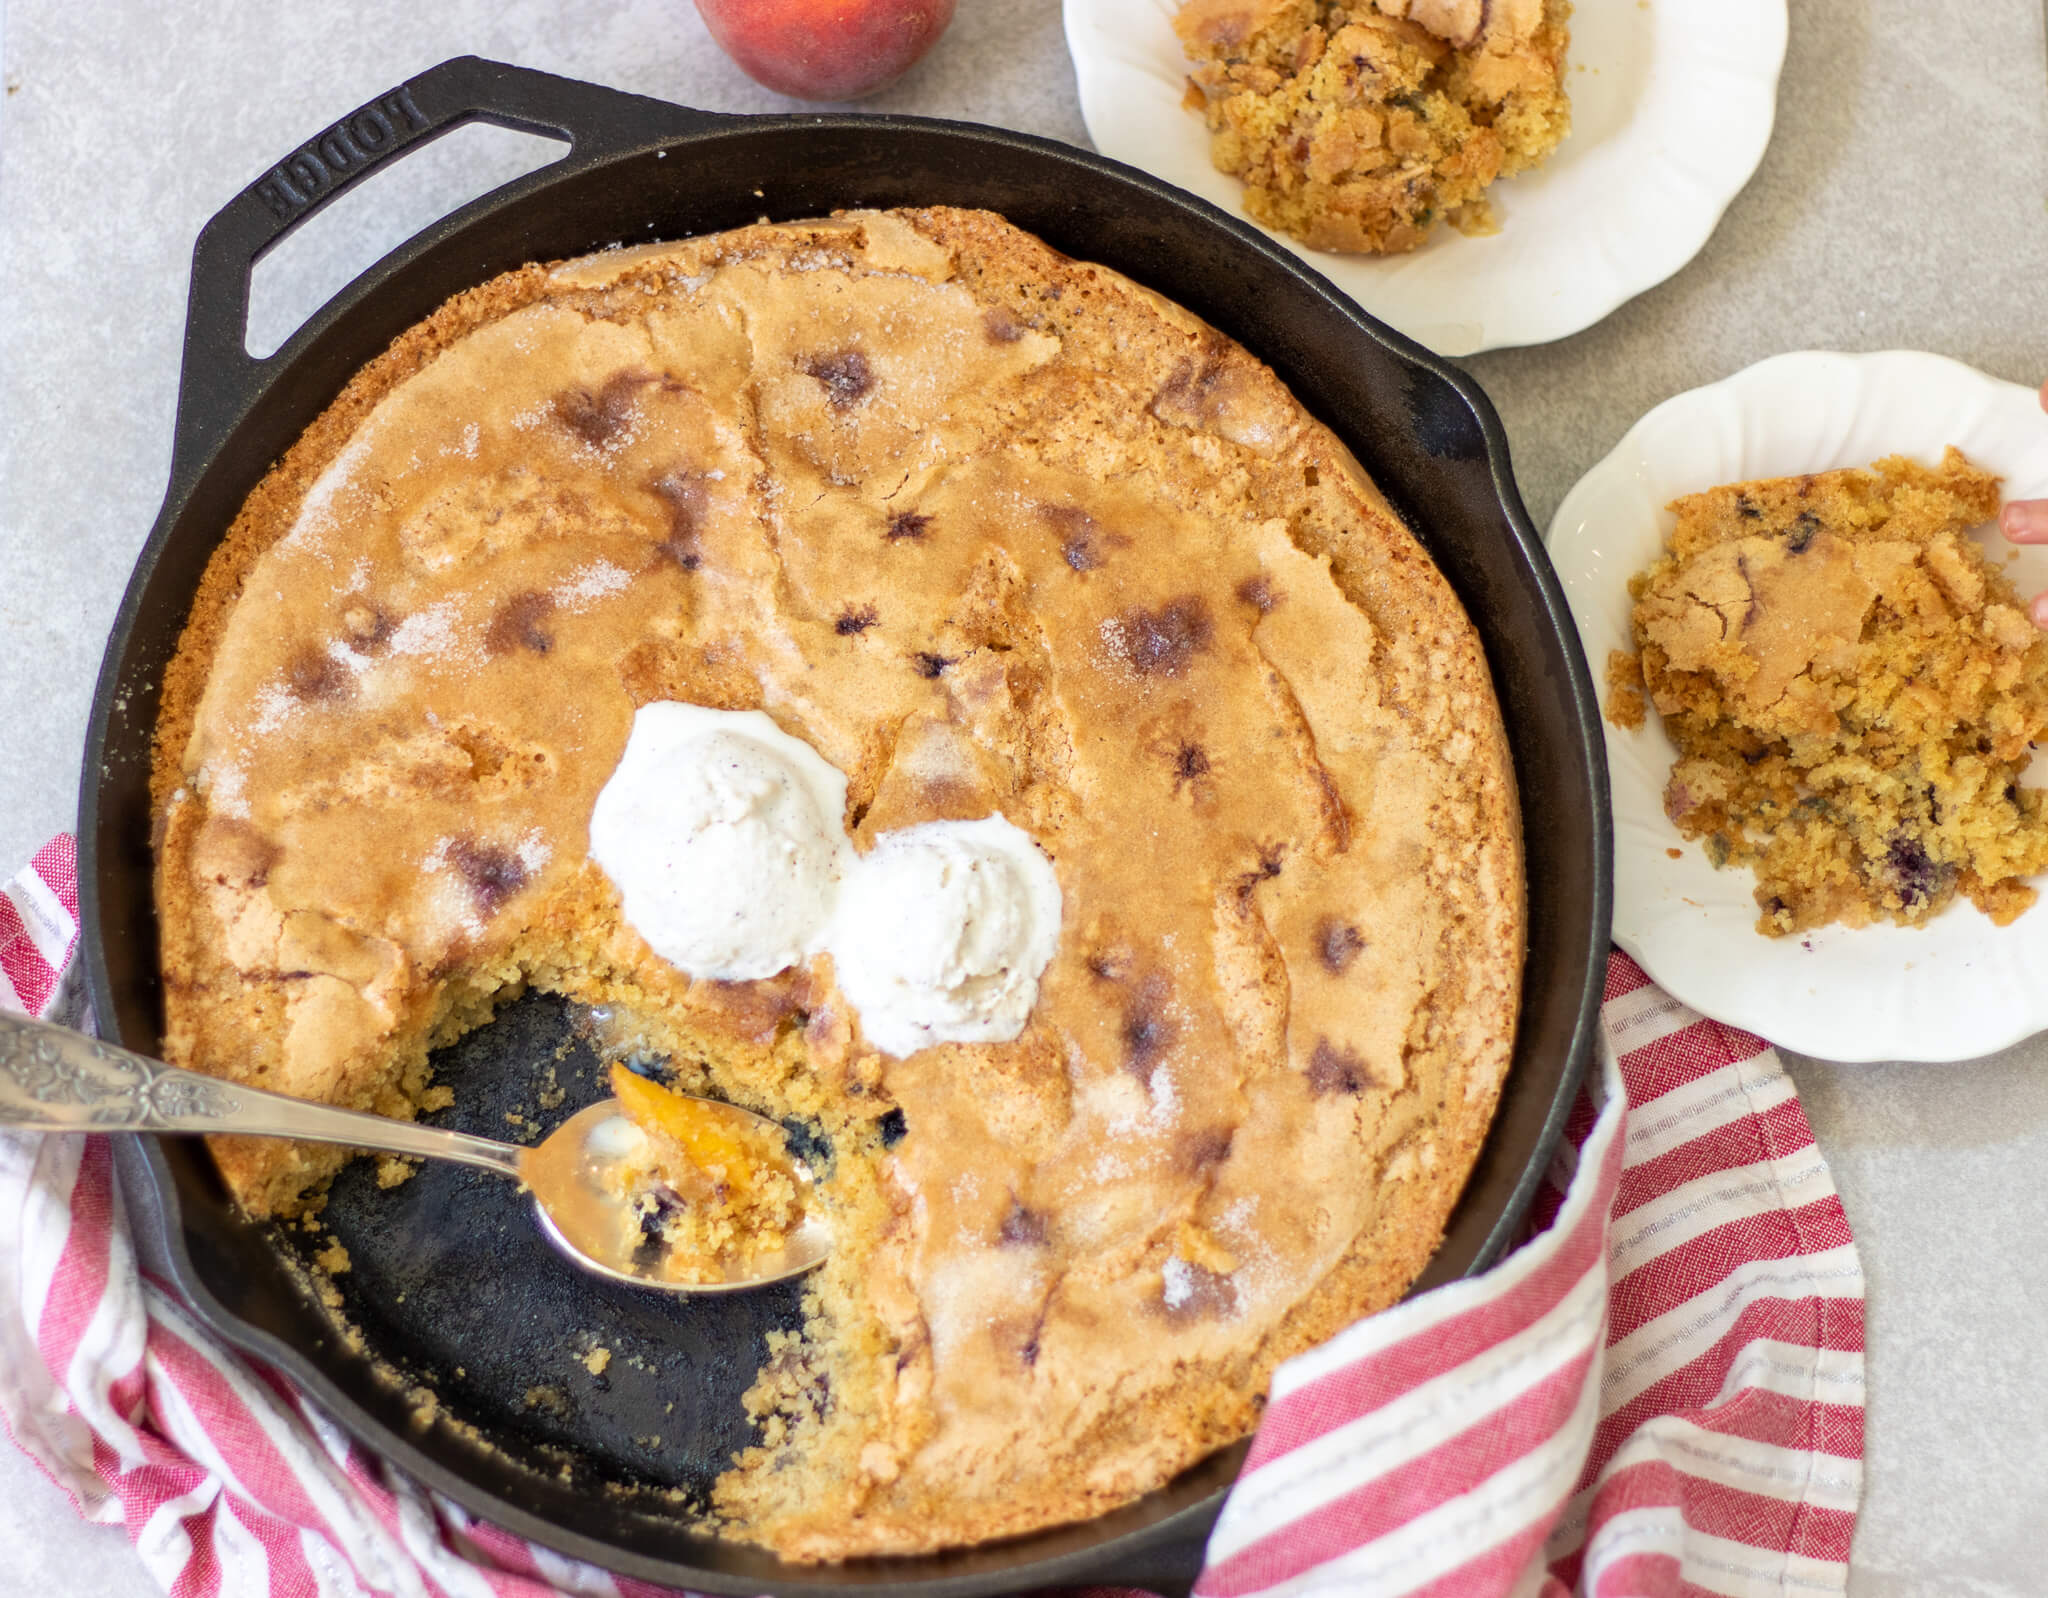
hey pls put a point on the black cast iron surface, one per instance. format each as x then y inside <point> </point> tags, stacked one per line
<point>448,1281</point>
<point>451,1279</point>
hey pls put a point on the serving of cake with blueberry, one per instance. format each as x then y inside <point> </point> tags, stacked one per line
<point>1357,125</point>
<point>1853,690</point>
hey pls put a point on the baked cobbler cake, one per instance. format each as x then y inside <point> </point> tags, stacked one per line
<point>1357,125</point>
<point>1854,692</point>
<point>1016,548</point>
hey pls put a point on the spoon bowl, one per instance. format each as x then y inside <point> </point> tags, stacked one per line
<point>576,1197</point>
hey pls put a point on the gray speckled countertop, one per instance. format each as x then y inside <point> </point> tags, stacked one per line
<point>1903,203</point>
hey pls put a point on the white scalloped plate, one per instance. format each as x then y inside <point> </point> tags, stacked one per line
<point>1672,102</point>
<point>1952,990</point>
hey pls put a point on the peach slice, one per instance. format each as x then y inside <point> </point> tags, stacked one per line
<point>692,1124</point>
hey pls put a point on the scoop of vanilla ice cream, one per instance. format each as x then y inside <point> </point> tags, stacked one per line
<point>942,932</point>
<point>725,839</point>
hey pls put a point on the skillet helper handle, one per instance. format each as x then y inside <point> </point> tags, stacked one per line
<point>55,1080</point>
<point>220,377</point>
<point>1166,1569</point>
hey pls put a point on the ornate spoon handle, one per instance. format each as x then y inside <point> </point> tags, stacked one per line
<point>54,1079</point>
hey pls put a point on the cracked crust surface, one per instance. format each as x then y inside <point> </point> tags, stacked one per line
<point>1853,690</point>
<point>1357,126</point>
<point>995,531</point>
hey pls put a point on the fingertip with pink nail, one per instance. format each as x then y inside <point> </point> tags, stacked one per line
<point>2025,521</point>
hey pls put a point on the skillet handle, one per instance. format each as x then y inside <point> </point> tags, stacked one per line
<point>220,377</point>
<point>1168,1571</point>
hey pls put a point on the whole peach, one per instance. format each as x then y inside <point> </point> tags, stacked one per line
<point>826,49</point>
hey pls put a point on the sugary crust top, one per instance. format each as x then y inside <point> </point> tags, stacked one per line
<point>996,532</point>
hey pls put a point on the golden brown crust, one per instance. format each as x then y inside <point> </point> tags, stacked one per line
<point>268,512</point>
<point>1142,604</point>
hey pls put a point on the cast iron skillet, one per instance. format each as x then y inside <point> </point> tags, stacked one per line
<point>640,169</point>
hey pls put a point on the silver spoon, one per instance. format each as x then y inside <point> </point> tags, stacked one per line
<point>55,1080</point>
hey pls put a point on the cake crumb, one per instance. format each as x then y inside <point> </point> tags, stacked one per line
<point>1625,689</point>
<point>333,1259</point>
<point>423,1405</point>
<point>548,1400</point>
<point>596,1360</point>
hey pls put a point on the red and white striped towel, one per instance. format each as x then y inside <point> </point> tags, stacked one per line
<point>1660,1393</point>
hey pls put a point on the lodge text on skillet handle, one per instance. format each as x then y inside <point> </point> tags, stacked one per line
<point>55,1080</point>
<point>595,122</point>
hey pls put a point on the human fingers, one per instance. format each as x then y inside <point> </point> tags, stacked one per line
<point>2025,521</point>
